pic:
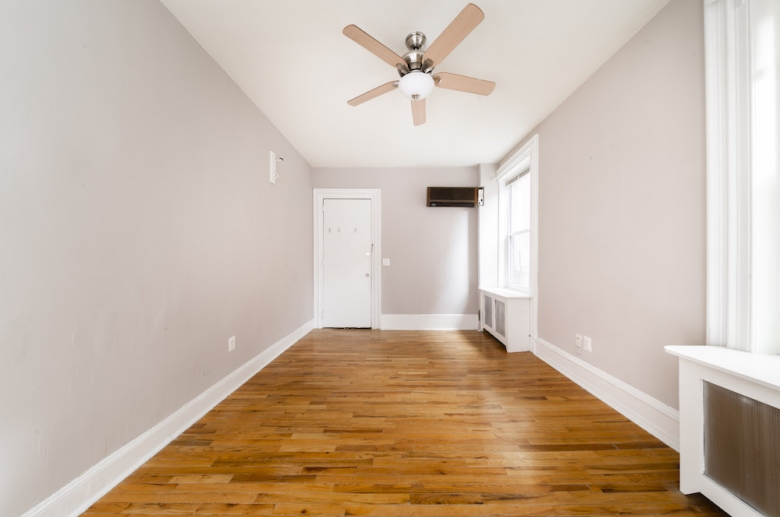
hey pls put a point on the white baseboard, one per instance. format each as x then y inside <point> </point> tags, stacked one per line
<point>429,322</point>
<point>78,495</point>
<point>650,414</point>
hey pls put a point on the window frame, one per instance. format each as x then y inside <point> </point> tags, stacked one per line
<point>509,234</point>
<point>526,158</point>
<point>735,223</point>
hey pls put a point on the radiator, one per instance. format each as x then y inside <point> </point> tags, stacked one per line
<point>742,447</point>
<point>730,428</point>
<point>507,315</point>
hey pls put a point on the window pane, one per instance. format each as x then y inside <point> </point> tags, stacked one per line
<point>520,204</point>
<point>520,260</point>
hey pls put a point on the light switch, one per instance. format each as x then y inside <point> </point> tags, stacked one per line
<point>385,262</point>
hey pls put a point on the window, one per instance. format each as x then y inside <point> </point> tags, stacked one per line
<point>742,73</point>
<point>517,185</point>
<point>518,238</point>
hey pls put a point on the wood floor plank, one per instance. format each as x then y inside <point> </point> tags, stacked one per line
<point>403,423</point>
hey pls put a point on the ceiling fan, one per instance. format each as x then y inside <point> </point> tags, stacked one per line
<point>416,66</point>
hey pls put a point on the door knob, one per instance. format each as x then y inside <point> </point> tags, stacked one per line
<point>366,275</point>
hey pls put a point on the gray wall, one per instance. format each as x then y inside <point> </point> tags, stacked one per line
<point>622,206</point>
<point>432,251</point>
<point>138,230</point>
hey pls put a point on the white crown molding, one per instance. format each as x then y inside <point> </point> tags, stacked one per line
<point>649,413</point>
<point>78,495</point>
<point>429,322</point>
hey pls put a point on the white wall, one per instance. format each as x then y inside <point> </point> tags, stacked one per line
<point>138,232</point>
<point>622,206</point>
<point>432,251</point>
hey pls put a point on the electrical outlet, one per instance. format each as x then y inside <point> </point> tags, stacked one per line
<point>385,262</point>
<point>578,343</point>
<point>232,344</point>
<point>586,344</point>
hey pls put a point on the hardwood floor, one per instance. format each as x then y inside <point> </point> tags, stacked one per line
<point>390,423</point>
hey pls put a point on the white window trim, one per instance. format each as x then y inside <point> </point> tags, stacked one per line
<point>727,86</point>
<point>526,157</point>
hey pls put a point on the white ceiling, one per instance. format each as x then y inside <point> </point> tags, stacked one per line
<point>292,60</point>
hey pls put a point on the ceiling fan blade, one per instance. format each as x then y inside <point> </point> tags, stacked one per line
<point>376,92</point>
<point>369,43</point>
<point>455,32</point>
<point>463,83</point>
<point>418,112</point>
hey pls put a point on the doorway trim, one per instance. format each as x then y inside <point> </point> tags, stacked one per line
<point>375,196</point>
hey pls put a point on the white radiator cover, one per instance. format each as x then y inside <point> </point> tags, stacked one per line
<point>756,376</point>
<point>507,315</point>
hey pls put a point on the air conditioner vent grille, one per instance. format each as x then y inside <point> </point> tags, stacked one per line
<point>453,196</point>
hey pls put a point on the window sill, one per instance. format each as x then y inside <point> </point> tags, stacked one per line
<point>505,293</point>
<point>762,369</point>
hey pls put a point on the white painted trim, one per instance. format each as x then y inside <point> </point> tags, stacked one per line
<point>650,414</point>
<point>714,73</point>
<point>517,162</point>
<point>429,321</point>
<point>761,369</point>
<point>375,196</point>
<point>78,495</point>
<point>533,149</point>
<point>526,156</point>
<point>728,133</point>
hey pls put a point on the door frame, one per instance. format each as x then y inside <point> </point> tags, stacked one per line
<point>375,196</point>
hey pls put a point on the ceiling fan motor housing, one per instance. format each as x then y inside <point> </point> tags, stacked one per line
<point>415,57</point>
<point>415,40</point>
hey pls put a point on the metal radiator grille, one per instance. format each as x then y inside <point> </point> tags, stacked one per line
<point>500,318</point>
<point>742,447</point>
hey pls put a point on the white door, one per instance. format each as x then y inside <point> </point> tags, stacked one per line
<point>346,263</point>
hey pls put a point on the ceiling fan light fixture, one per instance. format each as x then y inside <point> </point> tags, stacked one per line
<point>416,66</point>
<point>416,85</point>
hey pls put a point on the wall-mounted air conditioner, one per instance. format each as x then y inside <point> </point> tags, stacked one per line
<point>455,196</point>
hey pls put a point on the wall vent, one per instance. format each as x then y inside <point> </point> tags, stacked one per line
<point>742,447</point>
<point>454,196</point>
<point>500,318</point>
<point>488,311</point>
